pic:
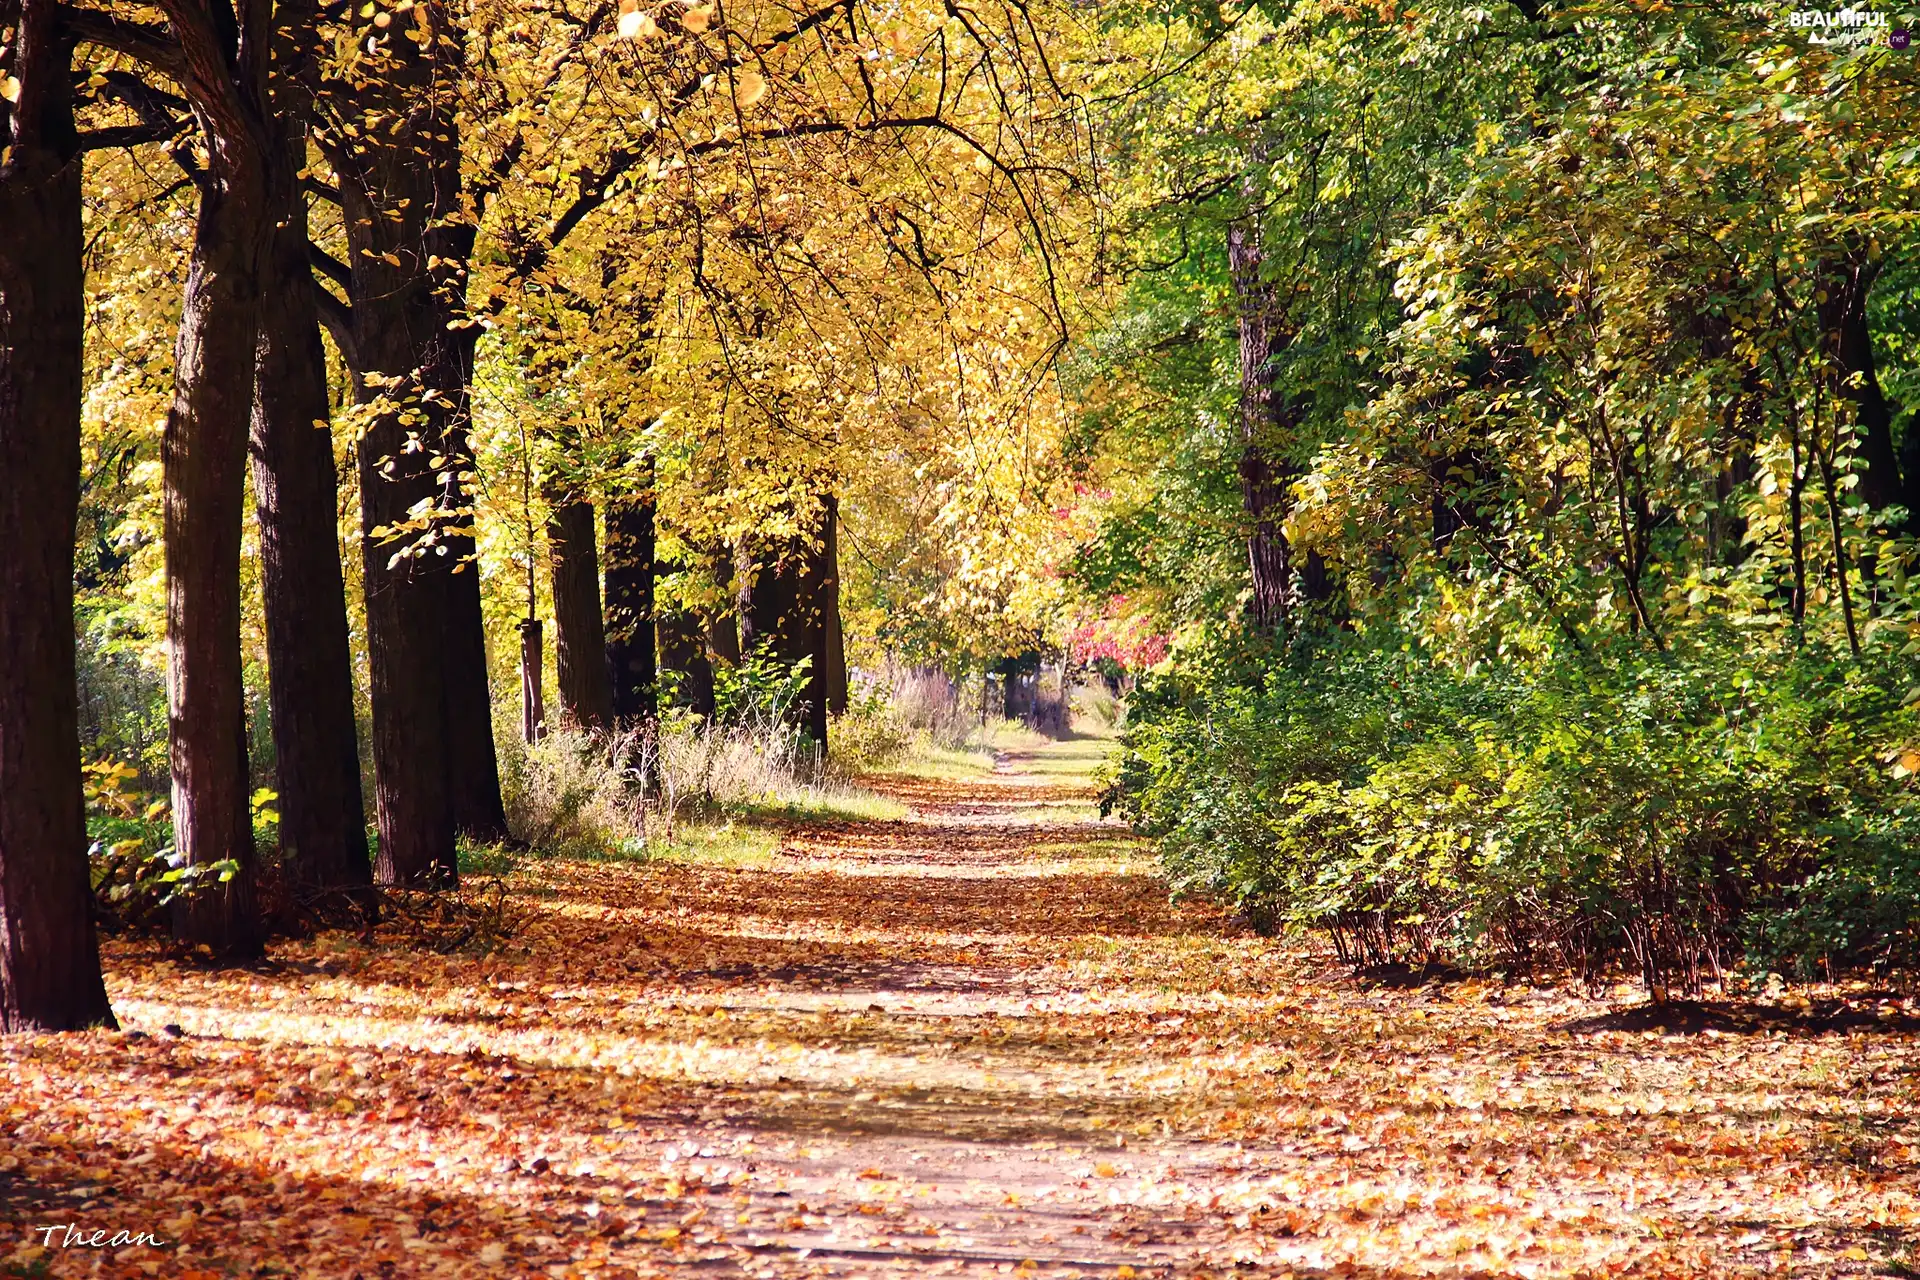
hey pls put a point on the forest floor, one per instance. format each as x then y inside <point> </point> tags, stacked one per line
<point>976,1041</point>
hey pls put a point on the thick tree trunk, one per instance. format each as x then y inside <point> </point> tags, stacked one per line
<point>323,824</point>
<point>406,587</point>
<point>630,569</point>
<point>49,959</point>
<point>580,636</point>
<point>204,460</point>
<point>1263,479</point>
<point>1264,493</point>
<point>205,453</point>
<point>406,566</point>
<point>409,240</point>
<point>479,810</point>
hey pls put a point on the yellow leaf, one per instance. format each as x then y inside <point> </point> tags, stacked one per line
<point>10,89</point>
<point>1105,1170</point>
<point>697,19</point>
<point>1855,1254</point>
<point>750,88</point>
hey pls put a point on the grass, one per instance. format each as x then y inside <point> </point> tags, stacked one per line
<point>821,801</point>
<point>950,764</point>
<point>727,843</point>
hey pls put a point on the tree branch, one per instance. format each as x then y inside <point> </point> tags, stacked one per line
<point>329,266</point>
<point>128,135</point>
<point>150,46</point>
<point>337,318</point>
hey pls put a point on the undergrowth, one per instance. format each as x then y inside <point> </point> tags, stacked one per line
<point>1674,814</point>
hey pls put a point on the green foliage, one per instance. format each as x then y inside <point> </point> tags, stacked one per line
<point>760,689</point>
<point>1553,301</point>
<point>870,735</point>
<point>130,850</point>
<point>1668,812</point>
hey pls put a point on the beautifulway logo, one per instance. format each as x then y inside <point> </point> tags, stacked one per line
<point>1848,26</point>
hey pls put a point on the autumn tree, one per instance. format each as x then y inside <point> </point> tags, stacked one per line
<point>323,835</point>
<point>49,960</point>
<point>386,122</point>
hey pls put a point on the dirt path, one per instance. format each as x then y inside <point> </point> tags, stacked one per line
<point>977,1041</point>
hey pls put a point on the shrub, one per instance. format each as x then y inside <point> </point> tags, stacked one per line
<point>1669,813</point>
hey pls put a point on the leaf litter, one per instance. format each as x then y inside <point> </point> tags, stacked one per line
<point>980,1041</point>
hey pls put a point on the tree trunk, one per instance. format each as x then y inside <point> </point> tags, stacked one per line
<point>1263,482</point>
<point>815,580</point>
<point>405,567</point>
<point>723,629</point>
<point>1264,495</point>
<point>683,650</point>
<point>533,700</point>
<point>49,958</point>
<point>630,568</point>
<point>836,639</point>
<point>580,636</point>
<point>1848,340</point>
<point>409,240</point>
<point>479,810</point>
<point>323,823</point>
<point>783,595</point>
<point>204,459</point>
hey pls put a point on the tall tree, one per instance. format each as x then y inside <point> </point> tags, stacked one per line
<point>630,606</point>
<point>835,641</point>
<point>49,959</point>
<point>323,836</point>
<point>1263,426</point>
<point>782,612</point>
<point>580,638</point>
<point>392,136</point>
<point>225,56</point>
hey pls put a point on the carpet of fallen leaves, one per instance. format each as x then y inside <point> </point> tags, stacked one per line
<point>977,1041</point>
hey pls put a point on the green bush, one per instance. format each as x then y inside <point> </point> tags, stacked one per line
<point>1670,813</point>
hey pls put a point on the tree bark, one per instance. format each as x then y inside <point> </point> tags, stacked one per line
<point>1848,340</point>
<point>533,701</point>
<point>323,823</point>
<point>479,809</point>
<point>204,461</point>
<point>723,629</point>
<point>409,241</point>
<point>49,958</point>
<point>836,639</point>
<point>683,649</point>
<point>580,636</point>
<point>1263,419</point>
<point>783,595</point>
<point>630,609</point>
